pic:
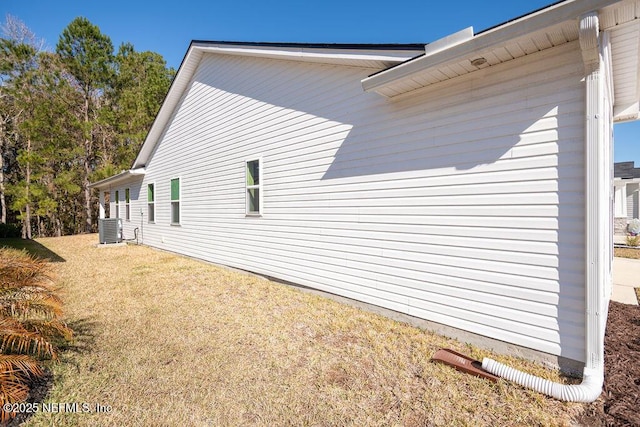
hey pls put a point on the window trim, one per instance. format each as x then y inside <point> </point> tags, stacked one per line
<point>179,201</point>
<point>117,196</point>
<point>127,204</point>
<point>248,187</point>
<point>151,204</point>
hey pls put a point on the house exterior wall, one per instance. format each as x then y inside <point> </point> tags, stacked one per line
<point>136,222</point>
<point>461,203</point>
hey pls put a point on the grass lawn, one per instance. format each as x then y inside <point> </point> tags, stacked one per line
<point>168,341</point>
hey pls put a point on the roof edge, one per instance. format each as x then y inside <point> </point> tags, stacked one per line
<point>117,178</point>
<point>341,46</point>
<point>541,18</point>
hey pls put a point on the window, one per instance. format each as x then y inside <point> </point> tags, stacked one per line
<point>117,204</point>
<point>254,187</point>
<point>175,201</point>
<point>151,203</point>
<point>127,205</point>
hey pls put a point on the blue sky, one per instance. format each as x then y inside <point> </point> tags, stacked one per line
<point>168,27</point>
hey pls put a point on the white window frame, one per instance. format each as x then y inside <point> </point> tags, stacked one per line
<point>127,204</point>
<point>179,201</point>
<point>248,187</point>
<point>117,204</point>
<point>151,205</point>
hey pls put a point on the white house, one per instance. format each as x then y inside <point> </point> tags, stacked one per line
<point>626,183</point>
<point>467,182</point>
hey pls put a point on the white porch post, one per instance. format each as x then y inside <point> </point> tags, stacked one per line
<point>102,203</point>
<point>621,200</point>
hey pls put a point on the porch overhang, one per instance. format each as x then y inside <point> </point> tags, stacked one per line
<point>115,179</point>
<point>555,25</point>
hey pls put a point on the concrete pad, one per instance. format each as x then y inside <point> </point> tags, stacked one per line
<point>620,240</point>
<point>626,277</point>
<point>626,272</point>
<point>109,245</point>
<point>624,294</point>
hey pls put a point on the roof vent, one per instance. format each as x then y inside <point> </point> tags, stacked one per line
<point>478,61</point>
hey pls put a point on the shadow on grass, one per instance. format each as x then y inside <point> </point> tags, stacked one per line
<point>39,389</point>
<point>33,248</point>
<point>83,337</point>
<point>83,340</point>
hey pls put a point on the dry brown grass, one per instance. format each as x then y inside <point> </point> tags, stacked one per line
<point>170,341</point>
<point>626,253</point>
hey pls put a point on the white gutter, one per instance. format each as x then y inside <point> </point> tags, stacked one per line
<point>597,271</point>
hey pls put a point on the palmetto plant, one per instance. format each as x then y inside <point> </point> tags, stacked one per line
<point>30,323</point>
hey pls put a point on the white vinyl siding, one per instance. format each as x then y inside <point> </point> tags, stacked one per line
<point>461,203</point>
<point>136,204</point>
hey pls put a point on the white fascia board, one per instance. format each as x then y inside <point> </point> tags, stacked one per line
<point>122,176</point>
<point>174,94</point>
<point>555,14</point>
<point>628,114</point>
<point>308,54</point>
<point>621,182</point>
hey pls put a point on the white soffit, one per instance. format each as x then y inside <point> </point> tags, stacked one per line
<point>622,23</point>
<point>546,28</point>
<point>352,57</point>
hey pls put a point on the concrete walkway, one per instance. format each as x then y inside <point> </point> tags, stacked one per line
<point>626,277</point>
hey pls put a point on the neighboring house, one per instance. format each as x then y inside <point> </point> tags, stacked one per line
<point>626,183</point>
<point>467,183</point>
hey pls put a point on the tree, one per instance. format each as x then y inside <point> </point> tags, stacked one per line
<point>140,85</point>
<point>17,50</point>
<point>18,61</point>
<point>54,128</point>
<point>88,56</point>
<point>68,118</point>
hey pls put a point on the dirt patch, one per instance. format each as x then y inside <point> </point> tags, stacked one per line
<point>622,366</point>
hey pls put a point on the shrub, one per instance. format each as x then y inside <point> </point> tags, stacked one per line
<point>30,323</point>
<point>634,227</point>
<point>633,240</point>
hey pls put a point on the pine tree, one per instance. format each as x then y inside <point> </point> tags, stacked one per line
<point>88,56</point>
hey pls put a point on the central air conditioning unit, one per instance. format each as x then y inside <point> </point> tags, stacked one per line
<point>110,230</point>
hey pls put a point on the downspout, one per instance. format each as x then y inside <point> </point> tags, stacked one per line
<point>596,226</point>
